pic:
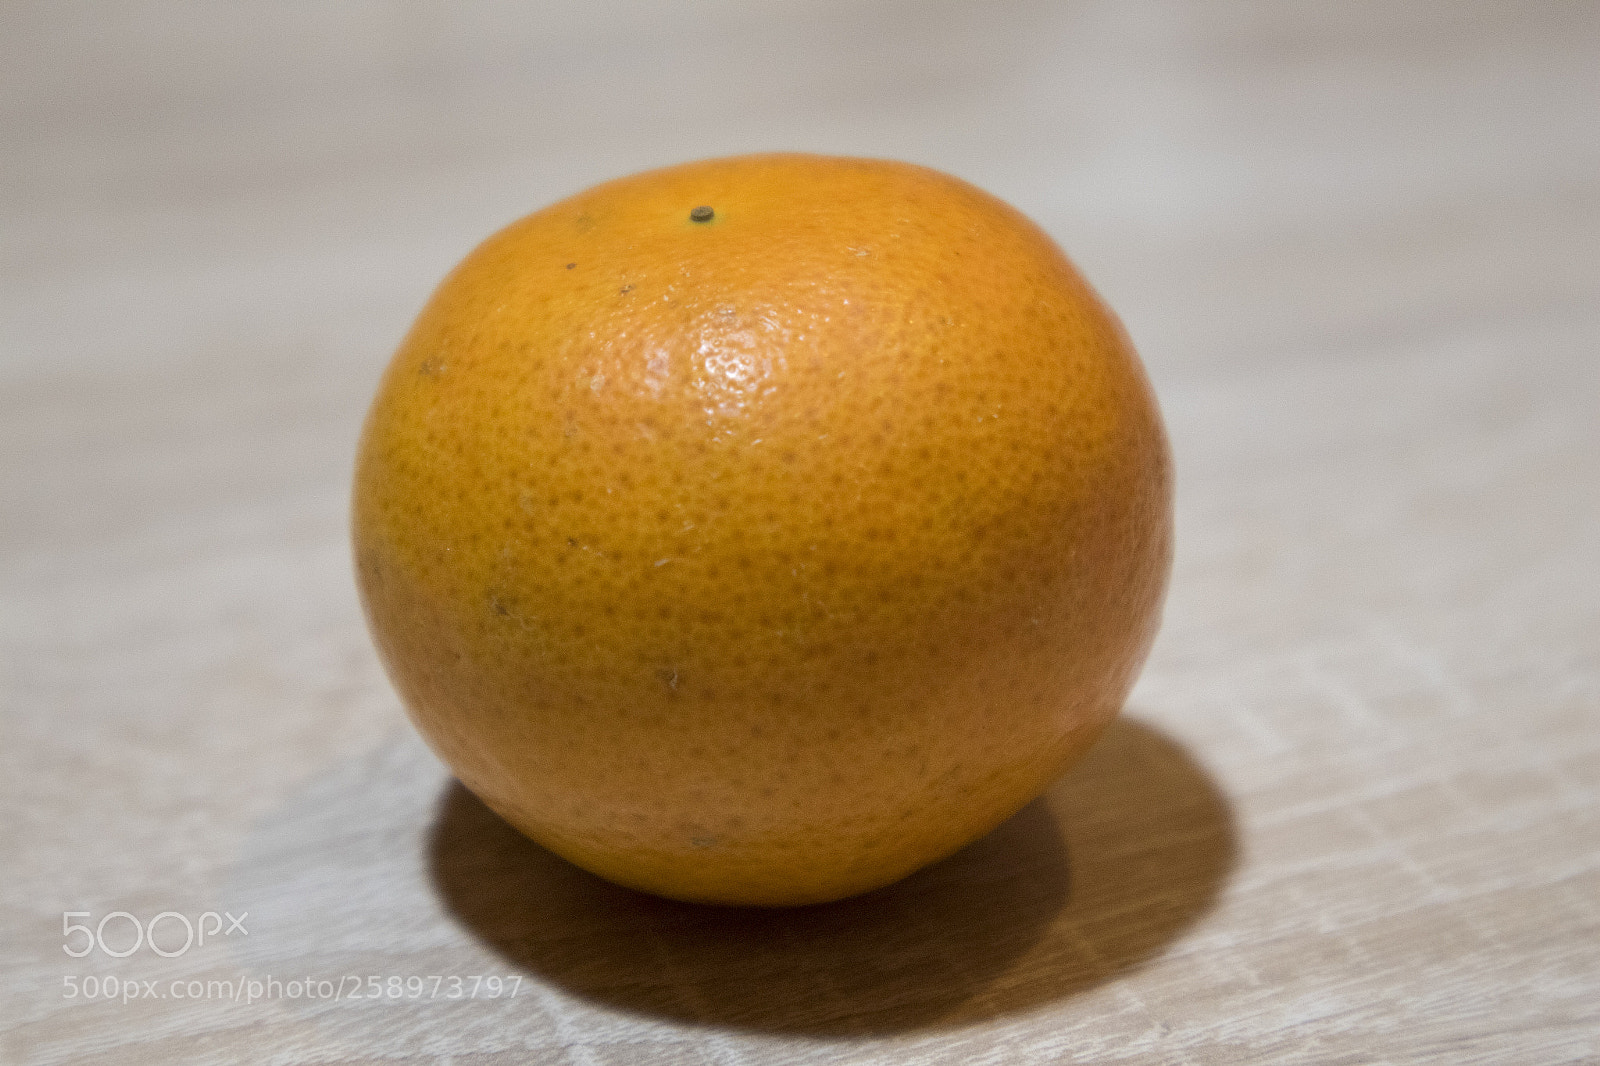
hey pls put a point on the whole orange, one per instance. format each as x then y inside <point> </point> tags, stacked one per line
<point>762,529</point>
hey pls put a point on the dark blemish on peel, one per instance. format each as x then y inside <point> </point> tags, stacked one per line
<point>702,214</point>
<point>571,265</point>
<point>625,290</point>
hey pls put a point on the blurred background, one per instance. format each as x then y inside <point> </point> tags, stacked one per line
<point>196,190</point>
<point>1358,245</point>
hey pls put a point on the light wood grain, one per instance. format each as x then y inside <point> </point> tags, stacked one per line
<point>1353,813</point>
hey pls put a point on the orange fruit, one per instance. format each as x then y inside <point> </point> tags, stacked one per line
<point>762,529</point>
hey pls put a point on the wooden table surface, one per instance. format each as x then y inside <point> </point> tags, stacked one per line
<point>1351,813</point>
